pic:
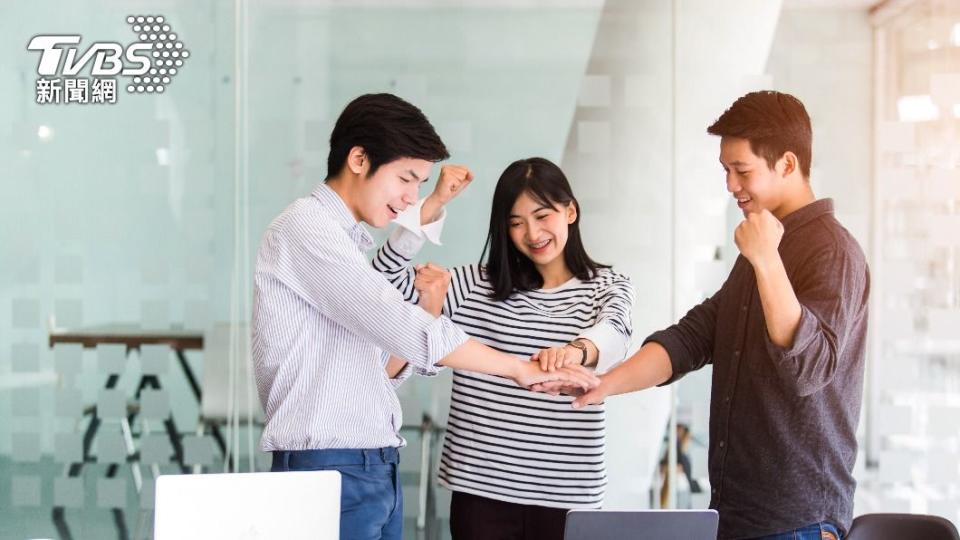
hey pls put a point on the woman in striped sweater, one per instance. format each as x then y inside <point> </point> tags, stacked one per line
<point>517,460</point>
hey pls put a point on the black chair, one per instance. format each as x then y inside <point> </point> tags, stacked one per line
<point>901,527</point>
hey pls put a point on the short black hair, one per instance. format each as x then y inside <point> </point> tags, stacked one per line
<point>387,128</point>
<point>506,268</point>
<point>773,122</point>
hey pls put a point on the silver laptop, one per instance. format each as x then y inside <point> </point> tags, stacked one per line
<point>248,506</point>
<point>641,525</point>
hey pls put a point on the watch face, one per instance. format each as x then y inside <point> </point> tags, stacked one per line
<point>583,350</point>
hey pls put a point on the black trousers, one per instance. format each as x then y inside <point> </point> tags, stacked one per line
<point>479,518</point>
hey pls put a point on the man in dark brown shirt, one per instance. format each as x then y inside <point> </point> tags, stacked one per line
<point>785,334</point>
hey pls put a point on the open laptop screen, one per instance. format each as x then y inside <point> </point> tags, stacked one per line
<point>288,505</point>
<point>641,525</point>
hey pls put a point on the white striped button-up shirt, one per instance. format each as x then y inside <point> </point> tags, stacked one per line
<point>324,324</point>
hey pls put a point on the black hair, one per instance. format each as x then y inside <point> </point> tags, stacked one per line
<point>506,268</point>
<point>774,123</point>
<point>387,128</point>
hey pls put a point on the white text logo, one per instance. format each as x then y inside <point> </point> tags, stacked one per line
<point>150,63</point>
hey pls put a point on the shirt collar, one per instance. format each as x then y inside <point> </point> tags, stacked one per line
<point>338,209</point>
<point>799,218</point>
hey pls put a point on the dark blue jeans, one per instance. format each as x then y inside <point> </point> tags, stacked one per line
<point>816,531</point>
<point>371,502</point>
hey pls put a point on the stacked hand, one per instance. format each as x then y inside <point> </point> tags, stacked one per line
<point>576,378</point>
<point>431,283</point>
<point>553,358</point>
<point>585,395</point>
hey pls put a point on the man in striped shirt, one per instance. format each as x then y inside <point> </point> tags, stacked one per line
<point>326,324</point>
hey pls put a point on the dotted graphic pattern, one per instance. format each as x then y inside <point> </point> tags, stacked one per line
<point>168,53</point>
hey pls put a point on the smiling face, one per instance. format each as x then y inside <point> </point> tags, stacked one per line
<point>390,190</point>
<point>750,179</point>
<point>540,231</point>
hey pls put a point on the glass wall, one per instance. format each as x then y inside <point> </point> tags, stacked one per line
<point>913,427</point>
<point>117,217</point>
<point>128,230</point>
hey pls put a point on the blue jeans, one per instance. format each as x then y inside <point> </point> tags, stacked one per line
<point>371,502</point>
<point>815,531</point>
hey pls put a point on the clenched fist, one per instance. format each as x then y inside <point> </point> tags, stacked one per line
<point>758,237</point>
<point>453,180</point>
<point>432,282</point>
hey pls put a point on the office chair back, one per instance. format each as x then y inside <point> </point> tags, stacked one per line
<point>900,526</point>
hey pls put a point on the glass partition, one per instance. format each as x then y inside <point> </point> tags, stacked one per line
<point>128,230</point>
<point>913,428</point>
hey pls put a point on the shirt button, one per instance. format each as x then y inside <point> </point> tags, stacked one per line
<point>726,399</point>
<point>721,444</point>
<point>743,307</point>
<point>736,352</point>
<point>714,491</point>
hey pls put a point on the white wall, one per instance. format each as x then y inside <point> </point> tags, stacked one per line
<point>620,157</point>
<point>824,58</point>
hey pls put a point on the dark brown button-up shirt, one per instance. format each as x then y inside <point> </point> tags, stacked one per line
<point>783,420</point>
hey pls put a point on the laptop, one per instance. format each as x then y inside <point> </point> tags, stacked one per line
<point>641,525</point>
<point>248,506</point>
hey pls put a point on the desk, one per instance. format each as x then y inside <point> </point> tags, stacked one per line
<point>133,337</point>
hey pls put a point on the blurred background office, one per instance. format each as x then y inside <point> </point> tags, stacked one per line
<point>128,230</point>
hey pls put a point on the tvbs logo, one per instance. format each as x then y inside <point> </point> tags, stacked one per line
<point>150,63</point>
<point>107,57</point>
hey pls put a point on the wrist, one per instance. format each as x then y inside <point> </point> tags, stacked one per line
<point>604,389</point>
<point>516,367</point>
<point>432,308</point>
<point>431,209</point>
<point>579,351</point>
<point>765,262</point>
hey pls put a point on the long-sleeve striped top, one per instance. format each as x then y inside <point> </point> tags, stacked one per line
<point>324,324</point>
<point>504,442</point>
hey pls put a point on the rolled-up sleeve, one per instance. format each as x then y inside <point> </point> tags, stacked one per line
<point>402,376</point>
<point>832,290</point>
<point>689,343</point>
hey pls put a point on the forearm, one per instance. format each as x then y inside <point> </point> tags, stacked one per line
<point>431,210</point>
<point>475,356</point>
<point>648,367</point>
<point>781,309</point>
<point>395,366</point>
